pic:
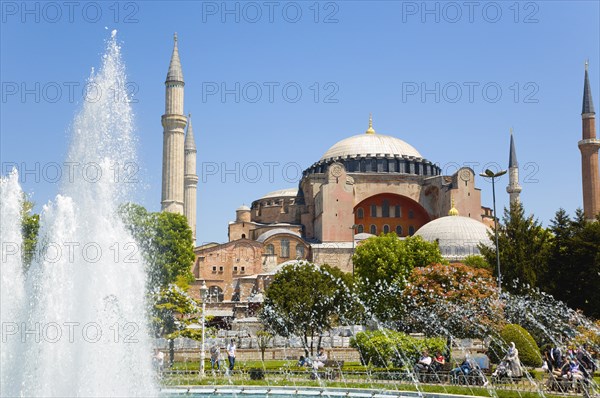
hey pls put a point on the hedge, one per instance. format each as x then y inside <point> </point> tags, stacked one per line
<point>386,348</point>
<point>529,352</point>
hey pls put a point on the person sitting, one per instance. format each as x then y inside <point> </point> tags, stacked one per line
<point>465,368</point>
<point>304,361</point>
<point>320,359</point>
<point>438,361</point>
<point>424,363</point>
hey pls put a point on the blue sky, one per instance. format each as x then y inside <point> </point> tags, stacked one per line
<point>348,58</point>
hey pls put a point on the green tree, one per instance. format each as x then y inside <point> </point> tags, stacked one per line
<point>166,242</point>
<point>30,226</point>
<point>173,311</point>
<point>524,246</point>
<point>305,300</point>
<point>382,265</point>
<point>573,273</point>
<point>263,340</point>
<point>477,261</point>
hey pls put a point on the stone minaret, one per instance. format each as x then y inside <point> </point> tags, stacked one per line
<point>174,123</point>
<point>190,178</point>
<point>589,146</point>
<point>513,188</point>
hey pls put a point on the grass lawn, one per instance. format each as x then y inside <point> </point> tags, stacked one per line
<point>352,379</point>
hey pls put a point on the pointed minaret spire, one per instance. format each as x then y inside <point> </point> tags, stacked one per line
<point>588,104</point>
<point>512,157</point>
<point>175,73</point>
<point>453,211</point>
<point>190,143</point>
<point>589,146</point>
<point>513,188</point>
<point>370,130</point>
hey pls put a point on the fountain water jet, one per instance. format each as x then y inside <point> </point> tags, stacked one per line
<point>84,330</point>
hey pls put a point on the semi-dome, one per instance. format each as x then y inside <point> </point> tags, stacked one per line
<point>457,236</point>
<point>370,144</point>
<point>289,192</point>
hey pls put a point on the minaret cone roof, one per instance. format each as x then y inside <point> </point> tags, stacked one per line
<point>588,105</point>
<point>189,143</point>
<point>175,73</point>
<point>512,157</point>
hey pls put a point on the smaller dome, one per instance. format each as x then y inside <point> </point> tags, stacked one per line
<point>243,208</point>
<point>293,192</point>
<point>457,236</point>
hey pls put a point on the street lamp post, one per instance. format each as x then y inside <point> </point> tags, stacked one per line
<point>203,295</point>
<point>490,174</point>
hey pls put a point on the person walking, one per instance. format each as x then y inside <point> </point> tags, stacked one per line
<point>231,349</point>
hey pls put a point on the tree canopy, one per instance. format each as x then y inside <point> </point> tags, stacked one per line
<point>383,264</point>
<point>304,299</point>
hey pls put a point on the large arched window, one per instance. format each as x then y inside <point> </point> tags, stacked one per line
<point>373,211</point>
<point>215,294</point>
<point>411,230</point>
<point>386,229</point>
<point>360,229</point>
<point>399,230</point>
<point>373,229</point>
<point>270,249</point>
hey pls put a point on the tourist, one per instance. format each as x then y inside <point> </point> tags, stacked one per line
<point>304,361</point>
<point>556,357</point>
<point>158,360</point>
<point>215,357</point>
<point>465,368</point>
<point>438,361</point>
<point>231,349</point>
<point>320,359</point>
<point>512,361</point>
<point>424,362</point>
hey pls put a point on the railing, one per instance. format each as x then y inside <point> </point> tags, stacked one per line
<point>475,380</point>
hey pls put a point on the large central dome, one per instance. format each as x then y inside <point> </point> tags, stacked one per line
<point>371,144</point>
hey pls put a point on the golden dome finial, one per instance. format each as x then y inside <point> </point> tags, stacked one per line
<point>370,130</point>
<point>453,211</point>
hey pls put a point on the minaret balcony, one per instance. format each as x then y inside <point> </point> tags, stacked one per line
<point>590,143</point>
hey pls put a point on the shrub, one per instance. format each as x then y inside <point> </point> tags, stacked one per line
<point>529,352</point>
<point>384,348</point>
<point>256,374</point>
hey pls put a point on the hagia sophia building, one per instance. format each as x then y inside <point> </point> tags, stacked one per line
<point>364,185</point>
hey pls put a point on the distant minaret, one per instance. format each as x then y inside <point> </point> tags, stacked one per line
<point>174,123</point>
<point>190,178</point>
<point>589,146</point>
<point>513,188</point>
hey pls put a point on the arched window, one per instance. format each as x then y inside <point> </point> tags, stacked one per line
<point>386,229</point>
<point>411,230</point>
<point>285,248</point>
<point>360,229</point>
<point>385,209</point>
<point>243,236</point>
<point>360,213</point>
<point>373,210</point>
<point>399,230</point>
<point>215,294</point>
<point>270,249</point>
<point>398,211</point>
<point>299,250</point>
<point>373,229</point>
